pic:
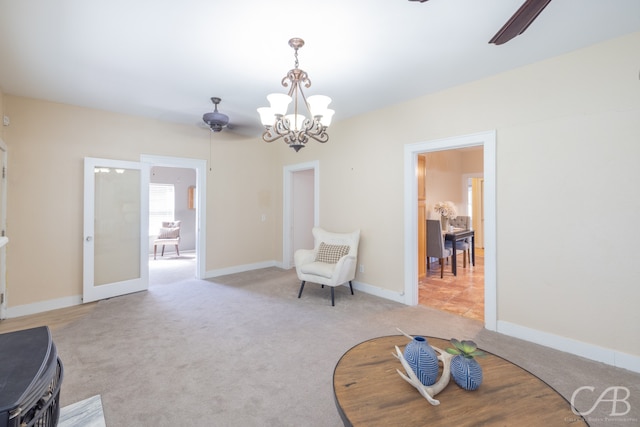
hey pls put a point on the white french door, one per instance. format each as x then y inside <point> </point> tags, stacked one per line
<point>116,232</point>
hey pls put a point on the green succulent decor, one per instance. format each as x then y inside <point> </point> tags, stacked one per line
<point>465,348</point>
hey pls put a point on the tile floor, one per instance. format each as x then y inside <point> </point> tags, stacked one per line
<point>462,294</point>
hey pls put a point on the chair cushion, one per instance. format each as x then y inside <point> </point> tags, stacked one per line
<point>321,269</point>
<point>169,233</point>
<point>330,254</point>
<point>461,245</point>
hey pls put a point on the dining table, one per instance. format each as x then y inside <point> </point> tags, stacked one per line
<point>455,235</point>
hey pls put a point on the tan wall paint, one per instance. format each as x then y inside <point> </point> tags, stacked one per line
<point>472,161</point>
<point>443,180</point>
<point>47,143</point>
<point>567,151</point>
<point>1,114</point>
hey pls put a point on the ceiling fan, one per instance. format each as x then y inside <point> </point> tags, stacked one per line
<point>216,120</point>
<point>519,22</point>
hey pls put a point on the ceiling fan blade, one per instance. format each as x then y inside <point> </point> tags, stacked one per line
<point>520,21</point>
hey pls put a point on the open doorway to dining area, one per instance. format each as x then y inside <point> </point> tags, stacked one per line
<point>450,200</point>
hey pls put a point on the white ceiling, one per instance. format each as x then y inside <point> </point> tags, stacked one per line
<point>164,59</point>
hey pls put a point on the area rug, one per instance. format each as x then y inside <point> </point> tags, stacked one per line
<point>86,413</point>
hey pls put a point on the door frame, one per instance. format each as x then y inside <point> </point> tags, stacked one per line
<point>200,167</point>
<point>3,238</point>
<point>488,141</point>
<point>287,208</point>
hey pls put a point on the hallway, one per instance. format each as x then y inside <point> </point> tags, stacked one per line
<point>462,294</point>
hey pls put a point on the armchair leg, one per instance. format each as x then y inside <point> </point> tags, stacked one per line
<point>332,300</point>
<point>155,249</point>
<point>351,286</point>
<point>301,288</point>
<point>177,251</point>
<point>441,268</point>
<point>162,254</point>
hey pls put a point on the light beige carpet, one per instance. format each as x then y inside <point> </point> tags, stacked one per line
<point>243,350</point>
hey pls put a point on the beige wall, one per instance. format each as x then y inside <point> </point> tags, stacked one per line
<point>443,180</point>
<point>1,113</point>
<point>567,152</point>
<point>47,143</point>
<point>472,161</point>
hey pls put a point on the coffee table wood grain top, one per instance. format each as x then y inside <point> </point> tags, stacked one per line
<point>369,392</point>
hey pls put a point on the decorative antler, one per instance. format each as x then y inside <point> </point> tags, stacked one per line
<point>431,391</point>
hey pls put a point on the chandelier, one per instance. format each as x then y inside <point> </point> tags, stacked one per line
<point>296,128</point>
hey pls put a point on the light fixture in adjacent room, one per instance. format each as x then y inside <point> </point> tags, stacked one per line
<point>296,129</point>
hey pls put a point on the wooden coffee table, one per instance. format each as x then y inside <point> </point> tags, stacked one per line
<point>369,392</point>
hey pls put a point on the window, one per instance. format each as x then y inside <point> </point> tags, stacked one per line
<point>162,203</point>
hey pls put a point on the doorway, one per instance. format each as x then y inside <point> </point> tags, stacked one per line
<point>300,210</point>
<point>199,196</point>
<point>448,175</point>
<point>171,203</point>
<point>488,142</point>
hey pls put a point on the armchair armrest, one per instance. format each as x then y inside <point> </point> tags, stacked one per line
<point>304,256</point>
<point>346,266</point>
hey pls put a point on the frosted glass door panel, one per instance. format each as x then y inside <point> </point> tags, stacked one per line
<point>117,225</point>
<point>116,228</point>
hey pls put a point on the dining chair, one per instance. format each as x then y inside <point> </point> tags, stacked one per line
<point>463,222</point>
<point>435,244</point>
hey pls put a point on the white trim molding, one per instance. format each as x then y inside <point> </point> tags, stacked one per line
<point>378,292</point>
<point>200,166</point>
<point>42,306</point>
<point>287,207</point>
<point>241,269</point>
<point>488,141</point>
<point>571,346</point>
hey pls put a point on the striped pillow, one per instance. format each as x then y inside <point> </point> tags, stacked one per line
<point>331,253</point>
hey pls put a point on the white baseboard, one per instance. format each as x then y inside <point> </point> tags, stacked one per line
<point>54,304</point>
<point>379,292</point>
<point>360,286</point>
<point>42,306</point>
<point>571,346</point>
<point>240,269</point>
<point>568,345</point>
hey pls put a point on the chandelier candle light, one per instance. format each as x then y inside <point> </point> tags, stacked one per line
<point>295,128</point>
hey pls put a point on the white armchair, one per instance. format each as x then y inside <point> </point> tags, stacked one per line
<point>331,262</point>
<point>169,234</point>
